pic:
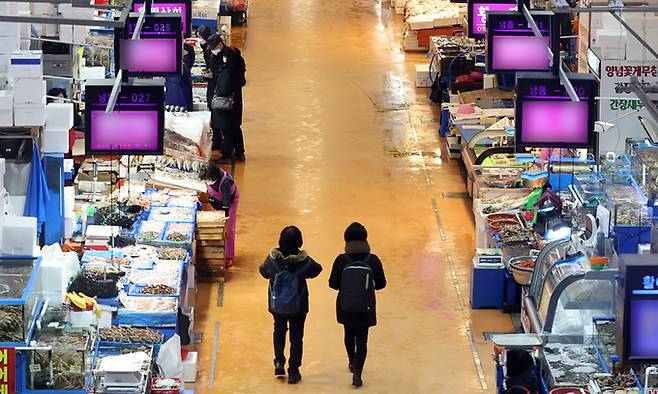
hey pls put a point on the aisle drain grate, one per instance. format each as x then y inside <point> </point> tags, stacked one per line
<point>457,195</point>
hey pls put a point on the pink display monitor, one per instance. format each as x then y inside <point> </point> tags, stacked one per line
<point>150,55</point>
<point>124,131</point>
<point>519,53</point>
<point>559,121</point>
<point>477,15</point>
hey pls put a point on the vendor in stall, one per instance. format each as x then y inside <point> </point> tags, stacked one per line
<point>521,376</point>
<point>545,203</point>
<point>224,195</point>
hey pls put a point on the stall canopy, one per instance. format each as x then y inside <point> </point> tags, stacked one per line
<point>37,191</point>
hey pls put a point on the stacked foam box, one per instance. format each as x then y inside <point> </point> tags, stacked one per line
<point>9,42</point>
<point>48,10</point>
<point>69,212</point>
<point>611,43</point>
<point>6,108</point>
<point>646,25</point>
<point>76,34</point>
<point>55,135</point>
<point>19,236</point>
<point>26,74</point>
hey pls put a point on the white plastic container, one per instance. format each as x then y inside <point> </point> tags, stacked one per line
<point>19,236</point>
<point>54,141</point>
<point>29,91</point>
<point>190,366</point>
<point>28,115</point>
<point>59,116</point>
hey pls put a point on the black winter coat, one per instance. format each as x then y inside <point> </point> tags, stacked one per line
<point>368,319</point>
<point>227,81</point>
<point>291,263</point>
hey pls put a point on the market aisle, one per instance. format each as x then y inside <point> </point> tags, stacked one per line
<point>335,133</point>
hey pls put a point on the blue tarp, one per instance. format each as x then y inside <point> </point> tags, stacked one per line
<point>37,191</point>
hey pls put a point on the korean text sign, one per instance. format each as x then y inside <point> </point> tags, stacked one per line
<point>7,370</point>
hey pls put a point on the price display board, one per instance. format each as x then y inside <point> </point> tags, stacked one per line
<point>511,44</point>
<point>135,126</point>
<point>157,52</point>
<point>477,11</point>
<point>182,7</point>
<point>546,117</point>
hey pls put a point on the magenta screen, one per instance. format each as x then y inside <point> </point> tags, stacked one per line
<point>154,55</point>
<point>479,12</point>
<point>520,53</point>
<point>124,130</point>
<point>555,121</point>
<point>167,8</point>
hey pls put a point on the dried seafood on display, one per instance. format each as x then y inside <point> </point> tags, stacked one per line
<point>117,215</point>
<point>131,335</point>
<point>149,236</point>
<point>158,289</point>
<point>516,233</point>
<point>179,232</point>
<point>158,276</point>
<point>171,214</point>
<point>140,251</point>
<point>11,323</point>
<point>503,203</point>
<point>151,225</point>
<point>632,215</point>
<point>177,237</point>
<point>623,382</point>
<point>150,304</point>
<point>172,254</point>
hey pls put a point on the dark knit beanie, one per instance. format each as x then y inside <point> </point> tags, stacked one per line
<point>204,32</point>
<point>291,238</point>
<point>356,232</point>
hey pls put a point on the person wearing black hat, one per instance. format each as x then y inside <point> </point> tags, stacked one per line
<point>281,262</point>
<point>227,69</point>
<point>355,303</point>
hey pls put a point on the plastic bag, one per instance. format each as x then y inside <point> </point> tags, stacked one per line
<point>169,359</point>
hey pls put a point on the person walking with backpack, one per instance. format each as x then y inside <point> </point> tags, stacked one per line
<point>287,268</point>
<point>356,274</point>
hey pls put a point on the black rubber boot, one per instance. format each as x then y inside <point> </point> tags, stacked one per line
<point>356,378</point>
<point>294,376</point>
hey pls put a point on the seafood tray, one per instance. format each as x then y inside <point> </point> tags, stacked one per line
<point>147,311</point>
<point>173,214</point>
<point>571,364</point>
<point>143,335</point>
<point>161,274</point>
<point>157,290</point>
<point>179,234</point>
<point>183,201</point>
<point>136,251</point>
<point>150,232</point>
<point>69,361</point>
<point>167,253</point>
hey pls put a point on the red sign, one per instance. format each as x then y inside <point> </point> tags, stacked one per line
<point>7,370</point>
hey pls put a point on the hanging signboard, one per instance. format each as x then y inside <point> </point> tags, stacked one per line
<point>622,109</point>
<point>157,52</point>
<point>511,44</point>
<point>182,7</point>
<point>546,117</point>
<point>477,14</point>
<point>135,126</point>
<point>7,370</point>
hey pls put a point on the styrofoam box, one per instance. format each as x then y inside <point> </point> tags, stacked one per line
<point>9,45</point>
<point>10,29</point>
<point>19,236</point>
<point>59,116</point>
<point>190,365</point>
<point>26,64</point>
<point>95,72</point>
<point>55,141</point>
<point>29,91</point>
<point>28,115</point>
<point>6,110</point>
<point>609,38</point>
<point>4,63</point>
<point>421,22</point>
<point>423,76</point>
<point>69,200</point>
<point>41,9</point>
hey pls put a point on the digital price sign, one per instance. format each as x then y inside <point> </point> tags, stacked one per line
<point>511,44</point>
<point>636,310</point>
<point>157,52</point>
<point>477,11</point>
<point>135,126</point>
<point>546,117</point>
<point>184,8</point>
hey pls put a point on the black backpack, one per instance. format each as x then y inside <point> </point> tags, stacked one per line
<point>287,289</point>
<point>357,287</point>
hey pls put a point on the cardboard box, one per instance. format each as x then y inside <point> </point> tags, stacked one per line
<point>423,79</point>
<point>6,109</point>
<point>29,115</point>
<point>29,91</point>
<point>26,64</point>
<point>59,116</point>
<point>55,141</point>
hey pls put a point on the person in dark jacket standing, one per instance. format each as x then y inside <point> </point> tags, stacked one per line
<point>288,256</point>
<point>228,75</point>
<point>357,324</point>
<point>203,33</point>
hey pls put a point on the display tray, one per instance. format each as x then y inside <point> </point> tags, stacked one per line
<point>571,364</point>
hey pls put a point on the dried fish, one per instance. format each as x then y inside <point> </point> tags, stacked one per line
<point>158,289</point>
<point>172,254</point>
<point>150,304</point>
<point>131,335</point>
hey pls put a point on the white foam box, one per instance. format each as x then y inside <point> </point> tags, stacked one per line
<point>19,236</point>
<point>4,63</point>
<point>609,38</point>
<point>423,76</point>
<point>10,29</point>
<point>6,111</point>
<point>69,200</point>
<point>29,91</point>
<point>42,9</point>
<point>69,226</point>
<point>59,116</point>
<point>29,115</point>
<point>421,22</point>
<point>55,141</point>
<point>190,366</point>
<point>26,64</point>
<point>68,11</point>
<point>2,184</point>
<point>9,45</point>
<point>95,72</point>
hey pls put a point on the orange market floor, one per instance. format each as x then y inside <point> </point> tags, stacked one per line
<point>337,132</point>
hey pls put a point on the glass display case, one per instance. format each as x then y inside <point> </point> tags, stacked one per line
<point>565,294</point>
<point>19,299</point>
<point>628,204</point>
<point>644,164</point>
